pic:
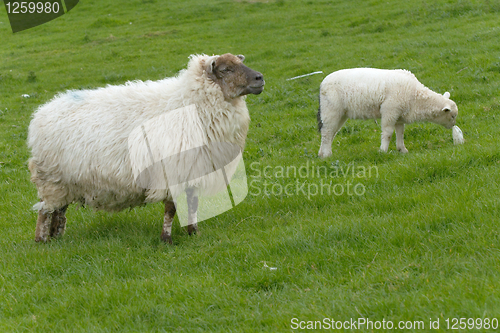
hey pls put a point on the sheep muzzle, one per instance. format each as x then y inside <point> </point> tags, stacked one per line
<point>234,78</point>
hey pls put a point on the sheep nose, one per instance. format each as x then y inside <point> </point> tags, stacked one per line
<point>259,76</point>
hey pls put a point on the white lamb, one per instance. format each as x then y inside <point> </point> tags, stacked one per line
<point>79,140</point>
<point>396,96</point>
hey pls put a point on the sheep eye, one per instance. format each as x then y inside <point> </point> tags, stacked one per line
<point>226,70</point>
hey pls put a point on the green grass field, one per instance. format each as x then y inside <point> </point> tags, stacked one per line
<point>409,238</point>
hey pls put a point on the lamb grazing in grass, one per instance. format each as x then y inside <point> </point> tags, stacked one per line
<point>396,96</point>
<point>79,140</point>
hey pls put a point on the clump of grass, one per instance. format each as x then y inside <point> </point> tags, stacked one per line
<point>31,76</point>
<point>325,33</point>
<point>86,38</point>
<point>107,22</point>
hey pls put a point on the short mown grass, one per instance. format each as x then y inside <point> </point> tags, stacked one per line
<point>421,241</point>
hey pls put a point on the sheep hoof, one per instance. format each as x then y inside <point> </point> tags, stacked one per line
<point>166,238</point>
<point>322,154</point>
<point>193,229</point>
<point>403,150</point>
<point>41,239</point>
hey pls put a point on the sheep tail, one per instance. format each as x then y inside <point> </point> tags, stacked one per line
<point>320,122</point>
<point>39,206</point>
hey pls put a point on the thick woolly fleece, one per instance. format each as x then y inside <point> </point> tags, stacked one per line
<point>79,140</point>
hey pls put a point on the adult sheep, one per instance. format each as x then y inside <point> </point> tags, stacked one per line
<point>79,140</point>
<point>396,96</point>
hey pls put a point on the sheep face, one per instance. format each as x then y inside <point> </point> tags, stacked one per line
<point>447,116</point>
<point>234,78</point>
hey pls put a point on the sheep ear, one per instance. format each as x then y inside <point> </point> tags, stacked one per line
<point>446,95</point>
<point>446,109</point>
<point>241,56</point>
<point>210,65</point>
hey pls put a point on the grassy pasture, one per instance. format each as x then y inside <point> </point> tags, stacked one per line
<point>420,242</point>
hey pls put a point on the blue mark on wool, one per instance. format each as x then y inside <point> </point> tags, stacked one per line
<point>76,95</point>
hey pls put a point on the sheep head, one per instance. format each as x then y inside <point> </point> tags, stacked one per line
<point>447,115</point>
<point>234,78</point>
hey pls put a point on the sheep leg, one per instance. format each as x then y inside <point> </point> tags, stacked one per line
<point>390,113</point>
<point>328,132</point>
<point>58,222</point>
<point>192,201</point>
<point>400,144</point>
<point>43,226</point>
<point>387,130</point>
<point>166,234</point>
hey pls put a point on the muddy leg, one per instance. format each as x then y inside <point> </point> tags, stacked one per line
<point>192,201</point>
<point>166,234</point>
<point>43,226</point>
<point>58,224</point>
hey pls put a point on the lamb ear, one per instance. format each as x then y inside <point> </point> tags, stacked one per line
<point>446,95</point>
<point>241,56</point>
